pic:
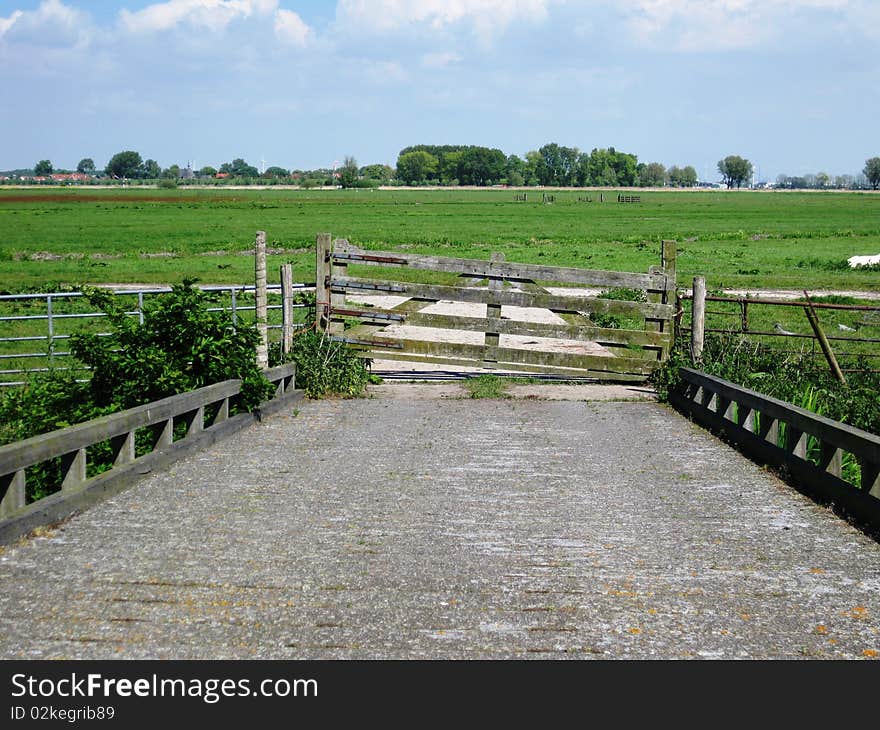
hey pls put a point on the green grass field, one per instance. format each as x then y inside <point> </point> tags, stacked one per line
<point>51,237</point>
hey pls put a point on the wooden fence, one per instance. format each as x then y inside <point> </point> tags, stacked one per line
<point>595,348</point>
<point>119,429</point>
<point>837,463</point>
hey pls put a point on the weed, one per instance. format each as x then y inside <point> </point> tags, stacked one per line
<point>487,386</point>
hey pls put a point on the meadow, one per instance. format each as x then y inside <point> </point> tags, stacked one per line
<point>52,237</point>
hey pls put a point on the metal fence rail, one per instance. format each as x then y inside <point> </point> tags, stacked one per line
<point>47,324</point>
<point>852,329</point>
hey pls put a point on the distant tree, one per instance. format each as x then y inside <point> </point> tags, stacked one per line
<point>534,169</point>
<point>822,179</point>
<point>43,168</point>
<point>207,171</point>
<point>349,173</point>
<point>415,167</point>
<point>382,173</point>
<point>735,170</point>
<point>688,177</point>
<point>516,170</point>
<point>559,164</point>
<point>151,170</point>
<point>86,166</point>
<point>872,172</point>
<point>125,164</point>
<point>239,168</point>
<point>652,175</point>
<point>682,177</point>
<point>449,167</point>
<point>171,173</point>
<point>481,166</point>
<point>275,172</point>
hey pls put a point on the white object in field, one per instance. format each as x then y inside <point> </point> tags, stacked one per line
<point>856,261</point>
<point>845,328</point>
<point>778,328</point>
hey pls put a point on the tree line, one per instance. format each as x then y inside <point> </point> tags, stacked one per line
<point>552,165</point>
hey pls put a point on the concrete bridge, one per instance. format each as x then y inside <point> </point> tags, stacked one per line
<point>418,523</point>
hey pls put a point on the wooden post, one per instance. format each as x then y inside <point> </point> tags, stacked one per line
<point>493,311</point>
<point>338,270</point>
<point>123,445</point>
<point>322,277</point>
<point>73,466</point>
<point>14,497</point>
<point>261,302</point>
<point>668,255</point>
<point>823,340</point>
<point>163,434</point>
<point>286,309</point>
<point>698,318</point>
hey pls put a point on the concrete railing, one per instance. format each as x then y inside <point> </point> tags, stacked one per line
<point>807,448</point>
<point>157,419</point>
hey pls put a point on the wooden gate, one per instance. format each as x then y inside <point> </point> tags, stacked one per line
<point>498,314</point>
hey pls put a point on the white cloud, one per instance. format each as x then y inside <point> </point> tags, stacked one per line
<point>52,24</point>
<point>719,25</point>
<point>488,17</point>
<point>440,60</point>
<point>213,15</point>
<point>7,23</point>
<point>291,28</point>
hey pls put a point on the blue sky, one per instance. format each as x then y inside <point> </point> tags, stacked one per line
<point>793,85</point>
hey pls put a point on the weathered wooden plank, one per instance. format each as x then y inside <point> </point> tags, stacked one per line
<point>516,355</point>
<point>368,329</point>
<point>552,302</point>
<point>601,335</point>
<point>516,367</point>
<point>604,336</point>
<point>287,370</point>
<point>504,269</point>
<point>31,451</point>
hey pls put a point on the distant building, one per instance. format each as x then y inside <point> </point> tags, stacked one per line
<point>70,177</point>
<point>221,175</point>
<point>187,173</point>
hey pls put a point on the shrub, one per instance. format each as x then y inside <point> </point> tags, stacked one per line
<point>325,367</point>
<point>180,346</point>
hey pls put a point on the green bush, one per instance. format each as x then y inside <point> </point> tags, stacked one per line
<point>325,367</point>
<point>180,346</point>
